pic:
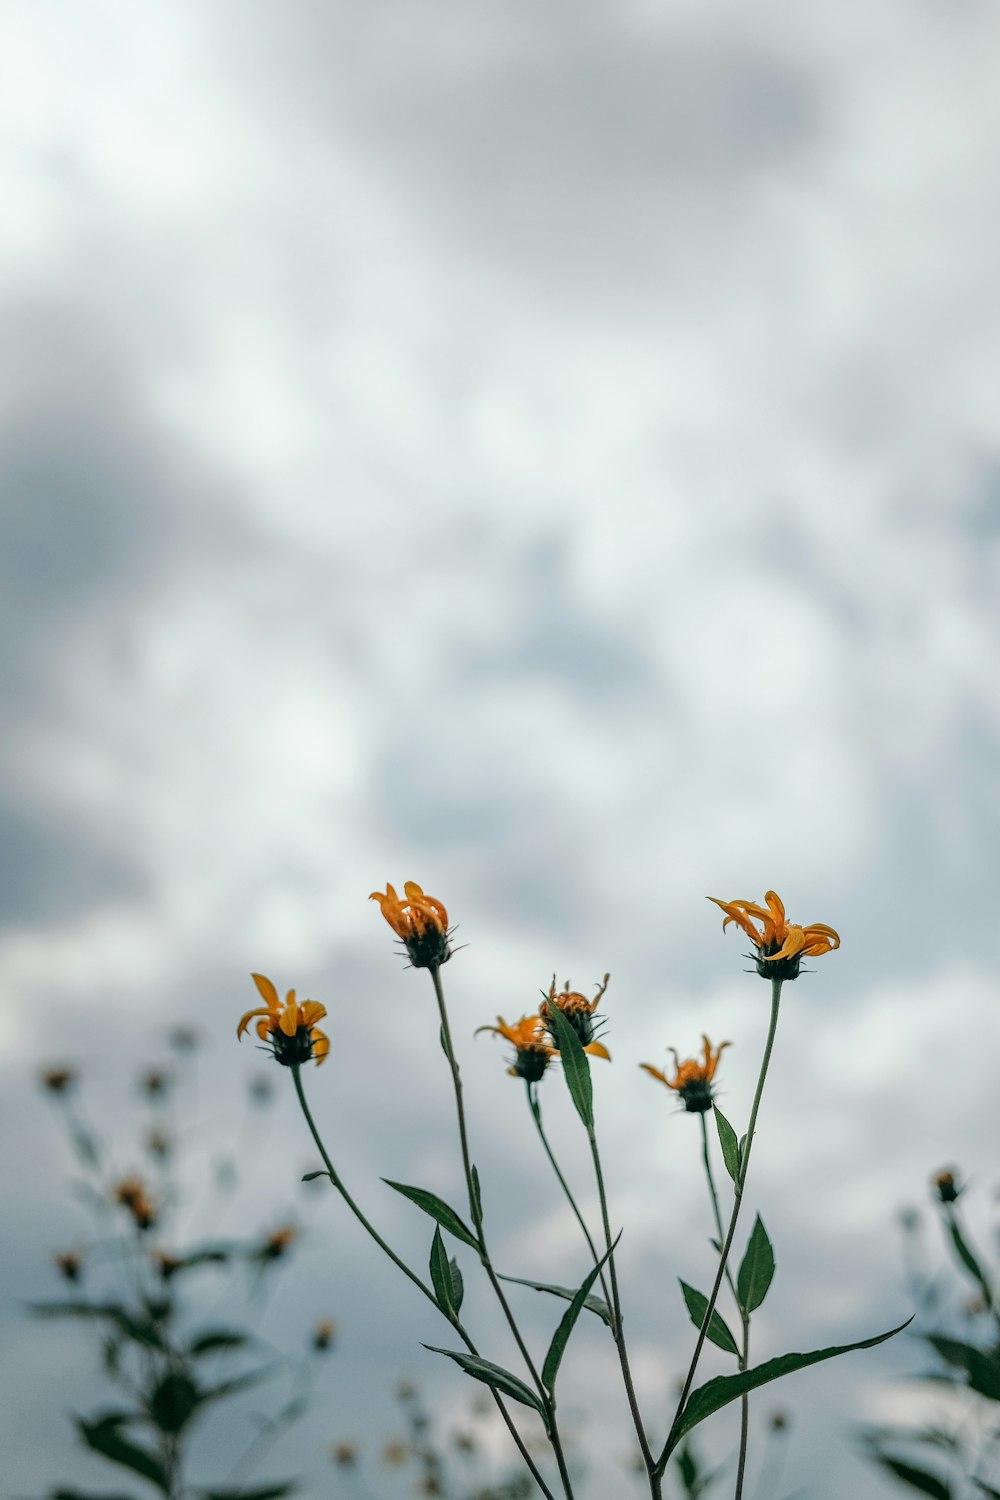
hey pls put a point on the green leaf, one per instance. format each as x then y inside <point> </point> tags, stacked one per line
<point>311,1176</point>
<point>65,1494</point>
<point>141,1331</point>
<point>981,1366</point>
<point>718,1329</point>
<point>729,1144</point>
<point>494,1376</point>
<point>477,1196</point>
<point>438,1209</point>
<point>213,1340</point>
<point>917,1479</point>
<point>756,1268</point>
<point>717,1393</point>
<point>560,1338</point>
<point>441,1276</point>
<point>457,1285</point>
<point>575,1063</point>
<point>967,1258</point>
<point>263,1492</point>
<point>174,1401</point>
<point>104,1437</point>
<point>595,1304</point>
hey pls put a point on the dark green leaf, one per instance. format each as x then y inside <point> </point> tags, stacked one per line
<point>441,1276</point>
<point>141,1331</point>
<point>981,1366</point>
<point>756,1268</point>
<point>262,1492</point>
<point>560,1338</point>
<point>729,1144</point>
<point>687,1469</point>
<point>494,1376</point>
<point>457,1285</point>
<point>717,1393</point>
<point>575,1064</point>
<point>103,1436</point>
<point>438,1209</point>
<point>64,1494</point>
<point>215,1339</point>
<point>173,1401</point>
<point>595,1304</point>
<point>718,1329</point>
<point>917,1479</point>
<point>477,1195</point>
<point>967,1258</point>
<point>311,1176</point>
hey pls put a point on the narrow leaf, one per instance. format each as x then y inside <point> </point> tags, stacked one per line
<point>718,1329</point>
<point>213,1340</point>
<point>576,1066</point>
<point>494,1376</point>
<point>104,1437</point>
<point>980,1365</point>
<point>65,1494</point>
<point>595,1304</point>
<point>560,1338</point>
<point>438,1209</point>
<point>311,1176</point>
<point>477,1192</point>
<point>264,1492</point>
<point>756,1268</point>
<point>729,1144</point>
<point>174,1401</point>
<point>457,1285</point>
<point>717,1393</point>
<point>441,1275</point>
<point>917,1479</point>
<point>967,1258</point>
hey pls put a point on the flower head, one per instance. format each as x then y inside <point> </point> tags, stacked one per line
<point>420,921</point>
<point>532,1050</point>
<point>579,1012</point>
<point>781,945</point>
<point>947,1187</point>
<point>692,1078</point>
<point>131,1194</point>
<point>69,1264</point>
<point>289,1028</point>
<point>58,1080</point>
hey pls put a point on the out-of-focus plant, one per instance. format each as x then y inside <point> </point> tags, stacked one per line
<point>131,1281</point>
<point>564,1027</point>
<point>955,1455</point>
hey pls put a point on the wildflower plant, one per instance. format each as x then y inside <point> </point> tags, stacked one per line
<point>134,1279</point>
<point>561,1035</point>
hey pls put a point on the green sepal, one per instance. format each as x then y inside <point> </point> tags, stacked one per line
<point>575,1063</point>
<point>560,1338</point>
<point>756,1268</point>
<point>595,1304</point>
<point>717,1393</point>
<point>495,1376</point>
<point>729,1144</point>
<point>438,1209</point>
<point>717,1330</point>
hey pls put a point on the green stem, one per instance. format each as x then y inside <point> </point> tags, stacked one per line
<point>475,1210</point>
<point>421,1285</point>
<point>536,1114</point>
<point>619,1332</point>
<point>730,1234</point>
<point>744,1355</point>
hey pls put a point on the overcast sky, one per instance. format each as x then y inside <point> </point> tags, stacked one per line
<point>549,452</point>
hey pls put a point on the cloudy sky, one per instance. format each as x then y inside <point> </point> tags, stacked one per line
<point>549,452</point>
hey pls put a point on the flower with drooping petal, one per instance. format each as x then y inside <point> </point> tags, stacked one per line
<point>290,1029</point>
<point>692,1078</point>
<point>532,1049</point>
<point>579,1012</point>
<point>781,945</point>
<point>420,921</point>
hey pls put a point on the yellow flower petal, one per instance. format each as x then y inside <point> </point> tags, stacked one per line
<point>267,992</point>
<point>244,1024</point>
<point>598,1049</point>
<point>321,1045</point>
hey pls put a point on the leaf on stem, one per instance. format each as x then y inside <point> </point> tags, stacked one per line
<point>576,1066</point>
<point>918,1479</point>
<point>717,1393</point>
<point>311,1176</point>
<point>756,1268</point>
<point>104,1436</point>
<point>441,1277</point>
<point>967,1258</point>
<point>595,1304</point>
<point>214,1340</point>
<point>717,1330</point>
<point>262,1492</point>
<point>560,1338</point>
<point>494,1376</point>
<point>477,1196</point>
<point>174,1401</point>
<point>729,1144</point>
<point>438,1209</point>
<point>980,1365</point>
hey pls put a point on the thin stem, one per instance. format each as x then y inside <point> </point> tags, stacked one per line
<point>730,1234</point>
<point>536,1114</point>
<point>421,1285</point>
<point>744,1355</point>
<point>475,1209</point>
<point>619,1331</point>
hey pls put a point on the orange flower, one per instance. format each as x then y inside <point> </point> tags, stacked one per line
<point>420,921</point>
<point>692,1079</point>
<point>532,1049</point>
<point>579,1012</point>
<point>131,1194</point>
<point>290,1029</point>
<point>781,945</point>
